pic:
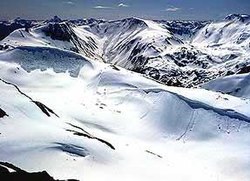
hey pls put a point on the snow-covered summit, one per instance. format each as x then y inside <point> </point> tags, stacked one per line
<point>239,17</point>
<point>55,19</point>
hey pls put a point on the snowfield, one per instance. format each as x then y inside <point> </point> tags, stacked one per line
<point>237,85</point>
<point>79,117</point>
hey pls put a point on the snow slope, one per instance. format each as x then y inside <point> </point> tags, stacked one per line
<point>106,123</point>
<point>237,85</point>
<point>232,31</point>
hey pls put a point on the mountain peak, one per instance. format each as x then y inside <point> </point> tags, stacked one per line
<point>134,21</point>
<point>238,17</point>
<point>55,19</point>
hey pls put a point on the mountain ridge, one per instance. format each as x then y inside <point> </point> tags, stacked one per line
<point>180,53</point>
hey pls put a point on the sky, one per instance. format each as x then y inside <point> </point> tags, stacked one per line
<point>117,9</point>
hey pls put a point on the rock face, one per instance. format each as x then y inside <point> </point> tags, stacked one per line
<point>18,174</point>
<point>64,31</point>
<point>58,31</point>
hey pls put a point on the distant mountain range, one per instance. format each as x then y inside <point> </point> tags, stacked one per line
<point>176,53</point>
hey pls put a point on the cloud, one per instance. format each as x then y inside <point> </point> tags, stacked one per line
<point>172,9</point>
<point>122,5</point>
<point>102,7</point>
<point>69,2</point>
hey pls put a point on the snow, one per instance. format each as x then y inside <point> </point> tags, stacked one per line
<point>237,85</point>
<point>107,104</point>
<point>113,124</point>
<point>190,53</point>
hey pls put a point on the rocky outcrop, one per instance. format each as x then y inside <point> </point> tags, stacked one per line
<point>17,174</point>
<point>2,113</point>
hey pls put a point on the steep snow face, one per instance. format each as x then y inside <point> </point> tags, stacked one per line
<point>237,85</point>
<point>43,58</point>
<point>61,35</point>
<point>232,32</point>
<point>129,43</point>
<point>79,40</point>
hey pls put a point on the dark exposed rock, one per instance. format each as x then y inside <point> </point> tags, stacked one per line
<point>21,175</point>
<point>58,31</point>
<point>115,67</point>
<point>2,113</point>
<point>4,47</point>
<point>243,37</point>
<point>152,72</point>
<point>55,19</point>
<point>64,32</point>
<point>174,82</point>
<point>92,137</point>
<point>244,70</point>
<point>7,27</point>
<point>152,153</point>
<point>185,57</point>
<point>230,73</point>
<point>88,135</point>
<point>45,109</point>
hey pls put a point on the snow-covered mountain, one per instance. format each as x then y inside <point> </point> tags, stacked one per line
<point>73,103</point>
<point>6,27</point>
<point>178,53</point>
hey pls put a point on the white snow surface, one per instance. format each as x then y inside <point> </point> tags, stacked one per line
<point>97,121</point>
<point>157,132</point>
<point>237,85</point>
